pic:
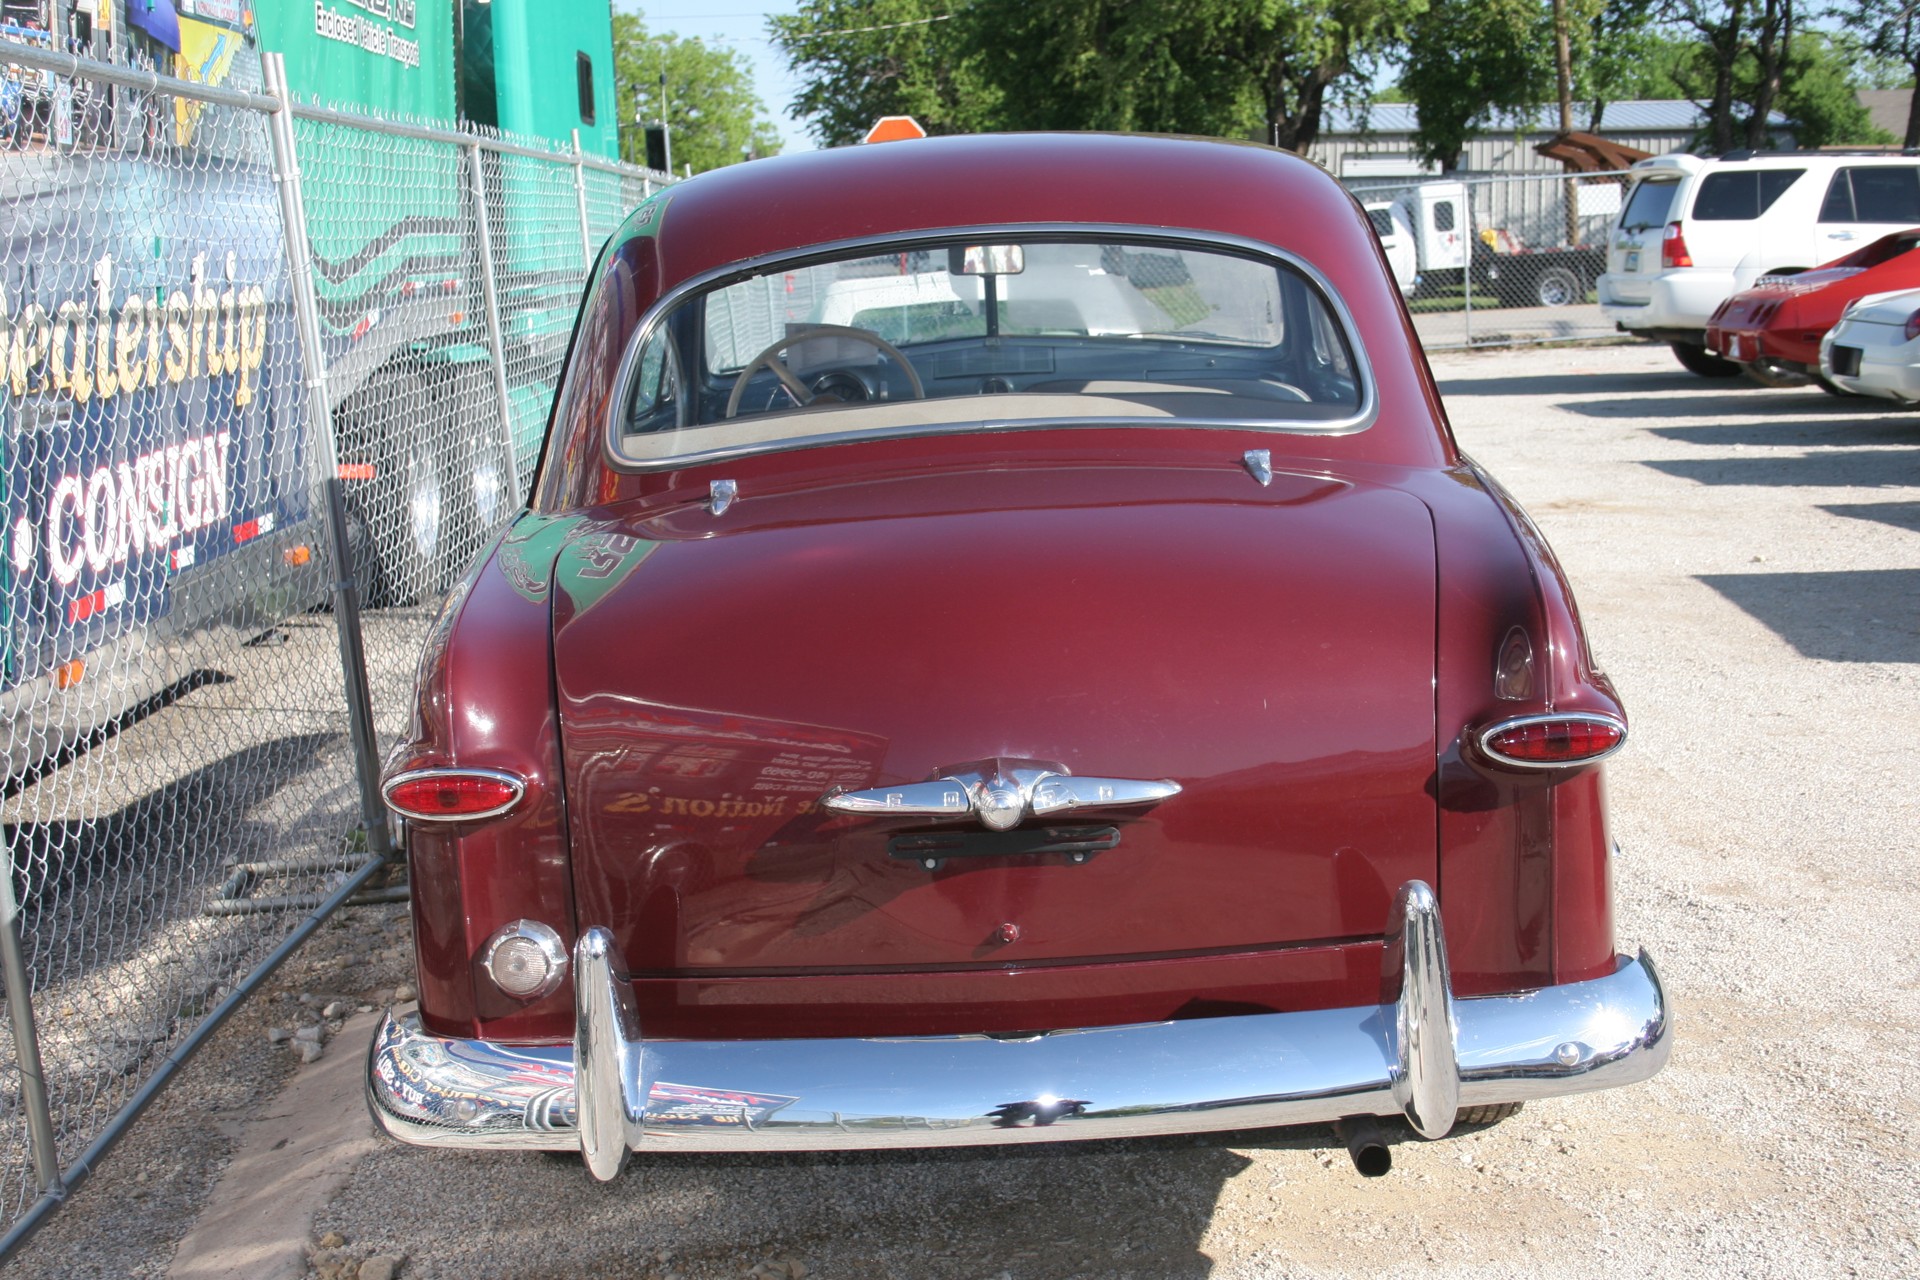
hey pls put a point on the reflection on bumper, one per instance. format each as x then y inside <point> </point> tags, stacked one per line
<point>1421,1053</point>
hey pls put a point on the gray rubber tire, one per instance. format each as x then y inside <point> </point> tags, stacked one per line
<point>1694,357</point>
<point>1487,1115</point>
<point>1558,287</point>
<point>405,507</point>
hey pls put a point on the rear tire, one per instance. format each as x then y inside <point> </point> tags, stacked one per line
<point>1694,357</point>
<point>1493,1114</point>
<point>1558,287</point>
<point>392,423</point>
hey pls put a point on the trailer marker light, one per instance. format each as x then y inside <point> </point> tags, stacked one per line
<point>453,795</point>
<point>295,557</point>
<point>357,471</point>
<point>69,674</point>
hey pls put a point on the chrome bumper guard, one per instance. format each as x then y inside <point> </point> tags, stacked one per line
<point>1421,1053</point>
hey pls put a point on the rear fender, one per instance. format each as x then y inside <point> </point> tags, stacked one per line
<point>486,701</point>
<point>1523,856</point>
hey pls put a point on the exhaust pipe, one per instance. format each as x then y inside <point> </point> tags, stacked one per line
<point>1366,1145</point>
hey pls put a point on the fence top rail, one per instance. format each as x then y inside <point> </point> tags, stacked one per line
<point>1479,179</point>
<point>465,138</point>
<point>67,64</point>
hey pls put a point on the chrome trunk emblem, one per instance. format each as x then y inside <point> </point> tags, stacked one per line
<point>1000,793</point>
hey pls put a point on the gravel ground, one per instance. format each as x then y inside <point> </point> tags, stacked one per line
<point>1748,562</point>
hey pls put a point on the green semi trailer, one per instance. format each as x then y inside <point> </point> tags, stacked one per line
<point>154,478</point>
<point>397,265</point>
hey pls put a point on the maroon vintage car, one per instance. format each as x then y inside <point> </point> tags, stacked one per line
<point>1773,330</point>
<point>1004,646</point>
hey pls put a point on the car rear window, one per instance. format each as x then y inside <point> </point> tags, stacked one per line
<point>1741,195</point>
<point>1649,203</point>
<point>1873,193</point>
<point>937,335</point>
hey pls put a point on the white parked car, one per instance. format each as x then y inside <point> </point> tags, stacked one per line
<point>1692,232</point>
<point>1875,349</point>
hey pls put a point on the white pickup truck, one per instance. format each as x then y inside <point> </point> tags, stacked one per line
<point>1428,234</point>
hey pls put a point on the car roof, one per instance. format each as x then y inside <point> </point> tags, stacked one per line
<point>785,203</point>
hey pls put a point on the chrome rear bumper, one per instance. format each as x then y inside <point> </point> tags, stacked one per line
<point>1420,1053</point>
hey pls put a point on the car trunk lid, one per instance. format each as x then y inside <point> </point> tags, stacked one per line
<point>1269,649</point>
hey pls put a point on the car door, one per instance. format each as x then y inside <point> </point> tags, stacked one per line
<point>1863,203</point>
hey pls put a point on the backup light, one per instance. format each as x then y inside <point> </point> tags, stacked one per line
<point>525,959</point>
<point>1553,741</point>
<point>453,795</point>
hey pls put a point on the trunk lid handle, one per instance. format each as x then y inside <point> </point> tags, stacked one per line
<point>999,793</point>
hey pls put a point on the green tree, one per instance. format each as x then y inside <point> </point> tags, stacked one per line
<point>863,59</point>
<point>1890,30</point>
<point>711,110</point>
<point>1235,68</point>
<point>1467,60</point>
<point>1820,94</point>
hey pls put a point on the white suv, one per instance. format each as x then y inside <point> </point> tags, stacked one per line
<point>1693,232</point>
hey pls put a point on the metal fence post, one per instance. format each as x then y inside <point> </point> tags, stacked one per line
<point>346,593</point>
<point>490,294</point>
<point>580,198</point>
<point>1466,215</point>
<point>26,1040</point>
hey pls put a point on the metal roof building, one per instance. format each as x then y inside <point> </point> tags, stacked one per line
<point>1378,143</point>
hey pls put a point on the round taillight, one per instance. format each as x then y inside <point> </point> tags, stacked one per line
<point>525,959</point>
<point>453,795</point>
<point>1553,741</point>
<point>1913,326</point>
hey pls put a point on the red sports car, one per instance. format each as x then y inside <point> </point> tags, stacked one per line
<point>999,650</point>
<point>1773,330</point>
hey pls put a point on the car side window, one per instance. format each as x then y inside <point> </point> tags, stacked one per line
<point>1443,216</point>
<point>1742,195</point>
<point>1382,222</point>
<point>1873,193</point>
<point>1838,206</point>
<point>656,387</point>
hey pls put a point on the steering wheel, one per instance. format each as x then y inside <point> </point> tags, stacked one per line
<point>771,359</point>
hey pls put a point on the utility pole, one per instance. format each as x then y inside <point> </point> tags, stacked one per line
<point>666,129</point>
<point>1563,74</point>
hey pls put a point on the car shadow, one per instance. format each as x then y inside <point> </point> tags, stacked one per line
<point>1880,468</point>
<point>1856,615</point>
<point>132,865</point>
<point>1637,383</point>
<point>1901,515</point>
<point>1851,432</point>
<point>1735,398</point>
<point>1135,1207</point>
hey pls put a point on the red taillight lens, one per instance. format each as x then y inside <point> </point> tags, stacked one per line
<point>1552,742</point>
<point>453,795</point>
<point>1673,248</point>
<point>1913,326</point>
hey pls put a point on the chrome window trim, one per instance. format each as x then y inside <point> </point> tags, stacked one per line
<point>1130,233</point>
<point>1485,736</point>
<point>518,784</point>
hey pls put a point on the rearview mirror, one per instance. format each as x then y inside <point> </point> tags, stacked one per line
<point>986,260</point>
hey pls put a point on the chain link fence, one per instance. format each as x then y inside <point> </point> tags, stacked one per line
<point>242,340</point>
<point>1497,261</point>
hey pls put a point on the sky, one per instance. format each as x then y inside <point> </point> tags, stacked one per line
<point>741,25</point>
